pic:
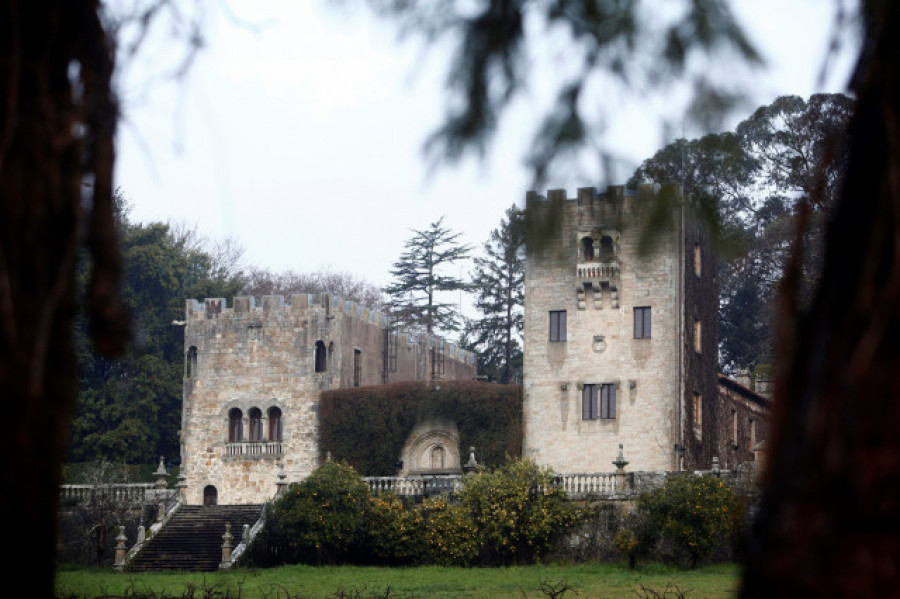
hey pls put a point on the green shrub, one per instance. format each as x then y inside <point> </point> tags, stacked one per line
<point>691,513</point>
<point>393,532</point>
<point>516,511</point>
<point>321,519</point>
<point>451,538</point>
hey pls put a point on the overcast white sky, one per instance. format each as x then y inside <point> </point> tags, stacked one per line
<point>302,139</point>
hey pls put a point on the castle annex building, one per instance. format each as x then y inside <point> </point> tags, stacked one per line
<point>253,377</point>
<point>620,345</point>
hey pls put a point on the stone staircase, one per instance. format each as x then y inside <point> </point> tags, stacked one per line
<point>192,538</point>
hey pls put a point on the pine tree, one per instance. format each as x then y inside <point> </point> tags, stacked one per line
<point>418,279</point>
<point>498,280</point>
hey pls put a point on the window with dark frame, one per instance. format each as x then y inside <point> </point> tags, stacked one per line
<point>235,426</point>
<point>357,367</point>
<point>321,359</point>
<point>598,401</point>
<point>642,322</point>
<point>256,429</point>
<point>275,426</point>
<point>557,325</point>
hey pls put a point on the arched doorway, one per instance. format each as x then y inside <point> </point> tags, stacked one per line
<point>210,495</point>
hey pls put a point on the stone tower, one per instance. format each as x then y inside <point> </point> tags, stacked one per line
<point>254,374</point>
<point>620,345</point>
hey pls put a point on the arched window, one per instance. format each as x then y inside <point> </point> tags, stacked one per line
<point>255,424</point>
<point>320,356</point>
<point>607,251</point>
<point>191,362</point>
<point>275,430</point>
<point>210,495</point>
<point>235,425</point>
<point>587,248</point>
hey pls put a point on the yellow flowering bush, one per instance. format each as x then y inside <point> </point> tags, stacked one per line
<point>694,514</point>
<point>393,532</point>
<point>450,537</point>
<point>516,510</point>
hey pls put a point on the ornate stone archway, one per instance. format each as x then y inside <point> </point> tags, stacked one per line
<point>432,448</point>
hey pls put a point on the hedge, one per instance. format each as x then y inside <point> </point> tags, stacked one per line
<point>368,426</point>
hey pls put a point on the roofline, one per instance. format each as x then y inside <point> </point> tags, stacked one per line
<point>749,394</point>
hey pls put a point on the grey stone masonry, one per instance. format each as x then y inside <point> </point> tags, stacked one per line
<point>606,328</point>
<point>253,376</point>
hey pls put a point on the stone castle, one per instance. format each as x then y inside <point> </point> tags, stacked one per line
<point>253,377</point>
<point>620,349</point>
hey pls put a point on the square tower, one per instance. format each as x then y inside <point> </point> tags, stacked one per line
<point>620,341</point>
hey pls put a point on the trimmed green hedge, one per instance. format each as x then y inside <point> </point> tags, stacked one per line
<point>367,426</point>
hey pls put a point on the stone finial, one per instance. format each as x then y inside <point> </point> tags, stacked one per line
<point>620,462</point>
<point>121,550</point>
<point>715,465</point>
<point>245,534</point>
<point>281,484</point>
<point>471,466</point>
<point>160,512</point>
<point>161,474</point>
<point>226,546</point>
<point>327,456</point>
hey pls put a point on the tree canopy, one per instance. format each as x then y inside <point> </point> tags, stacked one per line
<point>421,274</point>
<point>498,282</point>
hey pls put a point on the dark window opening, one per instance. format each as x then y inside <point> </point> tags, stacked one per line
<point>587,248</point>
<point>607,251</point>
<point>357,367</point>
<point>235,426</point>
<point>558,325</point>
<point>321,358</point>
<point>191,362</point>
<point>642,322</point>
<point>256,428</point>
<point>210,495</point>
<point>275,428</point>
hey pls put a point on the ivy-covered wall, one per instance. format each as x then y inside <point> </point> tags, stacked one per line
<point>367,426</point>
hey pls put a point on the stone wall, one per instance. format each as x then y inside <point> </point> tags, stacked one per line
<point>253,357</point>
<point>743,422</point>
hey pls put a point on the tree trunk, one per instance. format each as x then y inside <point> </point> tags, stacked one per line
<point>829,521</point>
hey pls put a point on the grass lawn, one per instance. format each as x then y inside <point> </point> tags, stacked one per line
<point>294,582</point>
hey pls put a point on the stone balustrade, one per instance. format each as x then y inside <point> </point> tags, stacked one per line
<point>414,486</point>
<point>254,448</point>
<point>597,271</point>
<point>586,484</point>
<point>119,494</point>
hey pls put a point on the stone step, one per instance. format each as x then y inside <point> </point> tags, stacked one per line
<point>192,539</point>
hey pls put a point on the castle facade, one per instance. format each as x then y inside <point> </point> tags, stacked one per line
<point>253,376</point>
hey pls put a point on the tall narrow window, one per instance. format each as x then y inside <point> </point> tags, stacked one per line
<point>357,367</point>
<point>642,322</point>
<point>698,416</point>
<point>235,426</point>
<point>587,249</point>
<point>608,401</point>
<point>558,325</point>
<point>191,365</point>
<point>275,430</point>
<point>320,356</point>
<point>698,337</point>
<point>589,404</point>
<point>698,261</point>
<point>255,425</point>
<point>734,428</point>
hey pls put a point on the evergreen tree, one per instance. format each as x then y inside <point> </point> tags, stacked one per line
<point>418,279</point>
<point>498,281</point>
<point>129,409</point>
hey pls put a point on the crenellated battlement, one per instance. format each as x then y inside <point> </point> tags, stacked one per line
<point>243,307</point>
